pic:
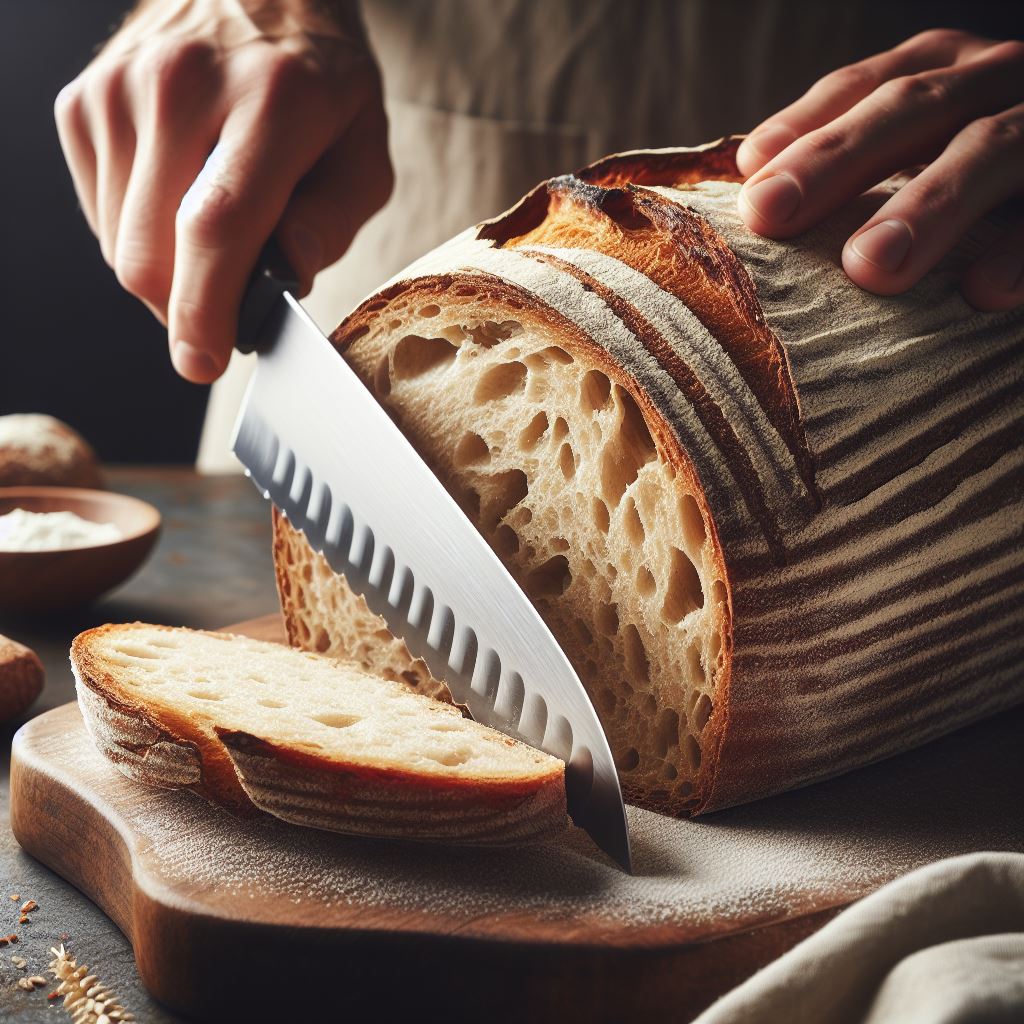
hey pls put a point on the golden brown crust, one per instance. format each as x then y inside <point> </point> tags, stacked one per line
<point>674,168</point>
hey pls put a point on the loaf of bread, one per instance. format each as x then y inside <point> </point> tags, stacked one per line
<point>257,726</point>
<point>21,678</point>
<point>40,451</point>
<point>775,521</point>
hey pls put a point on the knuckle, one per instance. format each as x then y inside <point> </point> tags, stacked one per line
<point>853,78</point>
<point>824,144</point>
<point>211,219</point>
<point>998,132</point>
<point>105,90</point>
<point>289,80</point>
<point>142,277</point>
<point>67,105</point>
<point>1011,51</point>
<point>913,91</point>
<point>937,37</point>
<point>177,67</point>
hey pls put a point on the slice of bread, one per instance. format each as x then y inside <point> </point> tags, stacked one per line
<point>773,520</point>
<point>257,726</point>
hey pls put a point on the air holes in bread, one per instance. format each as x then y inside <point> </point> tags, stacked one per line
<point>500,381</point>
<point>382,378</point>
<point>701,712</point>
<point>693,524</point>
<point>666,731</point>
<point>636,657</point>
<point>415,356</point>
<point>608,619</point>
<point>683,593</point>
<point>628,760</point>
<point>560,431</point>
<point>266,702</point>
<point>490,333</point>
<point>632,523</point>
<point>549,579</point>
<point>336,719</point>
<point>471,450</point>
<point>430,310</point>
<point>205,695</point>
<point>567,461</point>
<point>506,540</point>
<point>691,749</point>
<point>323,640</point>
<point>595,392</point>
<point>450,757</point>
<point>533,432</point>
<point>645,581</point>
<point>501,493</point>
<point>137,651</point>
<point>621,462</point>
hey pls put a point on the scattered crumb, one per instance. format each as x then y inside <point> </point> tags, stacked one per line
<point>28,906</point>
<point>24,919</point>
<point>20,962</point>
<point>85,997</point>
<point>15,897</point>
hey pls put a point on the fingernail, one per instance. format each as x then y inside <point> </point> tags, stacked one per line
<point>765,143</point>
<point>885,245</point>
<point>1003,271</point>
<point>307,248</point>
<point>773,199</point>
<point>193,363</point>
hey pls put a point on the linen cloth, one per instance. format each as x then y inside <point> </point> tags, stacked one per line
<point>942,945</point>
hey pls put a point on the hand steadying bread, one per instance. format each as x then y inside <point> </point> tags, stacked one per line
<point>256,726</point>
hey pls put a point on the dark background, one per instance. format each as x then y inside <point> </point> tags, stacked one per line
<point>73,343</point>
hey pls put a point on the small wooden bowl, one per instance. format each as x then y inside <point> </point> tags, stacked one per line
<point>33,581</point>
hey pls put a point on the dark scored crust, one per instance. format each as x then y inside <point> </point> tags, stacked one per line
<point>677,249</point>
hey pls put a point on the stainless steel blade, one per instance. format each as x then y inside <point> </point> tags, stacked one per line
<point>317,443</point>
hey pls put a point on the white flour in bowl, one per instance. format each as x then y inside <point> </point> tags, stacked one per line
<point>22,530</point>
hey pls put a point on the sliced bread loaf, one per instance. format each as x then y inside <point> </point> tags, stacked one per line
<point>774,521</point>
<point>257,726</point>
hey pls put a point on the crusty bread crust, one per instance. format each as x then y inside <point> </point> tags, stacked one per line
<point>247,774</point>
<point>855,460</point>
<point>40,451</point>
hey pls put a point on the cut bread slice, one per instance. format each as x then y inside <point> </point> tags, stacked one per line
<point>314,741</point>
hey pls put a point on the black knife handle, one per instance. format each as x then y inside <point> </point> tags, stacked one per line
<point>272,277</point>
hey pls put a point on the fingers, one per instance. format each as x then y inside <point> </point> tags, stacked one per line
<point>996,280</point>
<point>904,122</point>
<point>981,167</point>
<point>837,92</point>
<point>179,122</point>
<point>348,185</point>
<point>73,132</point>
<point>267,145</point>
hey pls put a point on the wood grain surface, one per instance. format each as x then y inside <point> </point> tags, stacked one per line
<point>233,920</point>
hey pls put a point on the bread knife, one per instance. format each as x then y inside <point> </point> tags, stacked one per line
<point>316,442</point>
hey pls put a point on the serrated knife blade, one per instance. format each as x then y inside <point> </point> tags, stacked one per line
<point>315,441</point>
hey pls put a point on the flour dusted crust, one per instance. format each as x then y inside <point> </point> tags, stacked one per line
<point>41,451</point>
<point>775,522</point>
<point>255,727</point>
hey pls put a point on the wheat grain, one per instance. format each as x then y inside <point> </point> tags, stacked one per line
<point>85,998</point>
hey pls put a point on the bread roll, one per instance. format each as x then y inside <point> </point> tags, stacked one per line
<point>40,451</point>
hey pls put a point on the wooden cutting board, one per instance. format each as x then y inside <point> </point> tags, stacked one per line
<point>260,920</point>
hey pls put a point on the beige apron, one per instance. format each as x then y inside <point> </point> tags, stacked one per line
<point>487,97</point>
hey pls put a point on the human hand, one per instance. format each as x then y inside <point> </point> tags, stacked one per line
<point>945,99</point>
<point>202,127</point>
